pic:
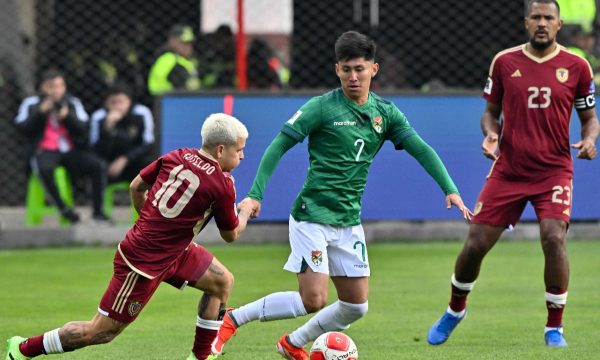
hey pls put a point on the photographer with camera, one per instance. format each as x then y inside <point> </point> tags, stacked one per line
<point>57,125</point>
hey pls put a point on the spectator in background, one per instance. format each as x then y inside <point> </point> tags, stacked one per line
<point>582,43</point>
<point>261,71</point>
<point>122,133</point>
<point>56,124</point>
<point>175,68</point>
<point>220,58</point>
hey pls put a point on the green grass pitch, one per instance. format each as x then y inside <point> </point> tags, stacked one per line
<point>42,289</point>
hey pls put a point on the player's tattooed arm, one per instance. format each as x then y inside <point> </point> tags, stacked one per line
<point>138,190</point>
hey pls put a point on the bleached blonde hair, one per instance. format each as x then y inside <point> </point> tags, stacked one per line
<point>222,129</point>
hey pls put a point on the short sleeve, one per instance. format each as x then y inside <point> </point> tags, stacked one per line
<point>585,85</point>
<point>304,121</point>
<point>494,90</point>
<point>399,128</point>
<point>150,172</point>
<point>224,209</point>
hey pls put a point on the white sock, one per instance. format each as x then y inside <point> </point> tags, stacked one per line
<point>276,306</point>
<point>454,313</point>
<point>337,316</point>
<point>208,324</point>
<point>52,343</point>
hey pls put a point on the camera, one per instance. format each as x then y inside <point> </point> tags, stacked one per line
<point>58,105</point>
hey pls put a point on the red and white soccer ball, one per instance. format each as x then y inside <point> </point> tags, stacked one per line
<point>333,346</point>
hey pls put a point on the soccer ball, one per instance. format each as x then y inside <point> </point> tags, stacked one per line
<point>333,346</point>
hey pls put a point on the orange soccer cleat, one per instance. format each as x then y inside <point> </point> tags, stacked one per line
<point>289,351</point>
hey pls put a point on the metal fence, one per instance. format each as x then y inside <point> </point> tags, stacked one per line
<point>422,45</point>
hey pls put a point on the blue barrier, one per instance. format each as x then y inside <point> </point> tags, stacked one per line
<point>397,188</point>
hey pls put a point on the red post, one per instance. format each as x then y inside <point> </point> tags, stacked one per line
<point>240,58</point>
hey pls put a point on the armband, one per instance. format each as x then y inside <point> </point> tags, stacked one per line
<point>585,103</point>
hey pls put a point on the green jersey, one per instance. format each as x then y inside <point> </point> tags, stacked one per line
<point>343,139</point>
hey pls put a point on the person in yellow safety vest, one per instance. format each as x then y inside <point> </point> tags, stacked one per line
<point>175,69</point>
<point>578,12</point>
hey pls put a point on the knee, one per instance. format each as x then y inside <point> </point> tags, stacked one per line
<point>224,285</point>
<point>554,244</point>
<point>314,302</point>
<point>352,312</point>
<point>475,249</point>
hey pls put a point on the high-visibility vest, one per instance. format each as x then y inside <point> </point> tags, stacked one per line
<point>158,79</point>
<point>578,12</point>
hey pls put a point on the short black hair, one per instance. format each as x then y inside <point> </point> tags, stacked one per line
<point>51,74</point>
<point>119,88</point>
<point>353,45</point>
<point>542,2</point>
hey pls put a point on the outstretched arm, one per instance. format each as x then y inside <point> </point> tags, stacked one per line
<point>490,126</point>
<point>432,163</point>
<point>279,146</point>
<point>590,129</point>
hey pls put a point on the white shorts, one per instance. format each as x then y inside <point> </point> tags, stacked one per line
<point>331,250</point>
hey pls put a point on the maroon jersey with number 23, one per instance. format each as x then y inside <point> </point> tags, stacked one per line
<point>537,97</point>
<point>187,189</point>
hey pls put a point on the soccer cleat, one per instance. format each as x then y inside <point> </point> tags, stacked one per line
<point>289,351</point>
<point>12,349</point>
<point>226,331</point>
<point>554,337</point>
<point>441,330</point>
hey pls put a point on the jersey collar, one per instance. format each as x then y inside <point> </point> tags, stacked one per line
<point>543,59</point>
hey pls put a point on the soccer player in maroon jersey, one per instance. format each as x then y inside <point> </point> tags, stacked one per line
<point>176,195</point>
<point>534,87</point>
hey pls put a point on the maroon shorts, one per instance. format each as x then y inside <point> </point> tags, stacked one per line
<point>128,291</point>
<point>501,202</point>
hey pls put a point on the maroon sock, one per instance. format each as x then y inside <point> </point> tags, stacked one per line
<point>458,300</point>
<point>555,311</point>
<point>202,341</point>
<point>33,346</point>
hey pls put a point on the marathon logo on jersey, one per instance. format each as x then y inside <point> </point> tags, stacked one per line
<point>134,308</point>
<point>293,119</point>
<point>488,86</point>
<point>562,75</point>
<point>377,124</point>
<point>316,257</point>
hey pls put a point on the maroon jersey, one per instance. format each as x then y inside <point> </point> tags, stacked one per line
<point>187,189</point>
<point>537,97</point>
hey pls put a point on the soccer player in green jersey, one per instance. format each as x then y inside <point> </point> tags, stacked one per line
<point>346,128</point>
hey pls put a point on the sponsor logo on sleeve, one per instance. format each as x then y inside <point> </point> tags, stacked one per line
<point>488,86</point>
<point>592,87</point>
<point>293,119</point>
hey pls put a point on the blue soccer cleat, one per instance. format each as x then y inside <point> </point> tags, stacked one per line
<point>441,330</point>
<point>554,337</point>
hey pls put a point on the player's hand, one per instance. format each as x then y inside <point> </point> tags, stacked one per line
<point>490,145</point>
<point>587,149</point>
<point>252,205</point>
<point>456,200</point>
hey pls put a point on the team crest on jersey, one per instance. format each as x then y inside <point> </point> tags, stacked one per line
<point>562,74</point>
<point>134,308</point>
<point>478,207</point>
<point>377,122</point>
<point>316,257</point>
